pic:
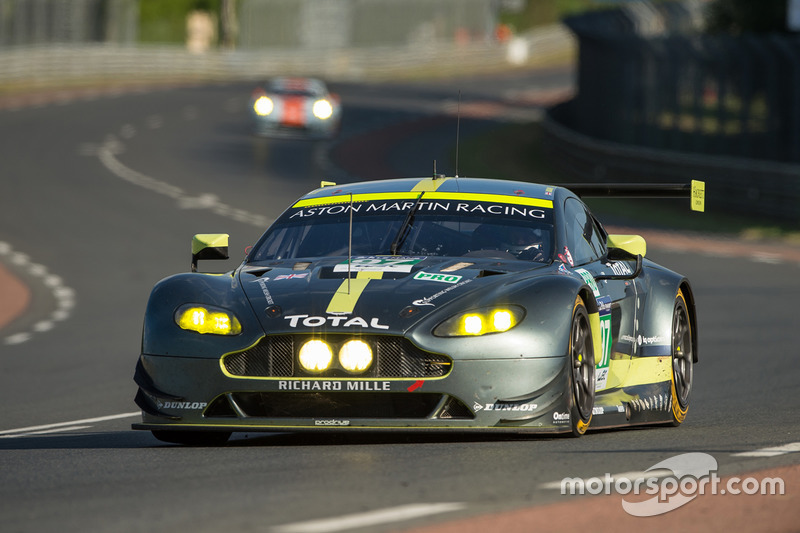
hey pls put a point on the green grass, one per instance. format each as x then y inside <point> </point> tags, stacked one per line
<point>516,152</point>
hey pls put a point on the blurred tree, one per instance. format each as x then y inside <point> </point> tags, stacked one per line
<point>741,16</point>
<point>522,15</point>
<point>165,22</point>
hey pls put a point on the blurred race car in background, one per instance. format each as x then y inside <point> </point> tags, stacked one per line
<point>295,107</point>
<point>434,303</point>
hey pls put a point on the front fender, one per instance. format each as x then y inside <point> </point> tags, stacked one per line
<point>161,335</point>
<point>544,331</point>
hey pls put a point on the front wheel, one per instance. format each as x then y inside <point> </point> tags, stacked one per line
<point>193,438</point>
<point>581,359</point>
<point>682,360</point>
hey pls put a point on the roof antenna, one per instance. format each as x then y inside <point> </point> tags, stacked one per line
<point>350,244</point>
<point>434,170</point>
<point>458,128</point>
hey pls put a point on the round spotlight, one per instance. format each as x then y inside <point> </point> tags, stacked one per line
<point>502,320</point>
<point>473,325</point>
<point>322,109</point>
<point>355,356</point>
<point>315,356</point>
<point>263,106</point>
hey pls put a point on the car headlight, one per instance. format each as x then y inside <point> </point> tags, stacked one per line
<point>481,321</point>
<point>355,356</point>
<point>263,106</point>
<point>322,109</point>
<point>207,319</point>
<point>315,356</point>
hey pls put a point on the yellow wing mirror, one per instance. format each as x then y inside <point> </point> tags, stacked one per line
<point>209,246</point>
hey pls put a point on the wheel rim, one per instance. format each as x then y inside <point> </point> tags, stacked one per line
<point>582,366</point>
<point>682,355</point>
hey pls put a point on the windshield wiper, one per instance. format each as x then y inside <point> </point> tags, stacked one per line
<point>404,229</point>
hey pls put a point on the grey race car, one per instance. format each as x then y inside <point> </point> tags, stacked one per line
<point>436,303</point>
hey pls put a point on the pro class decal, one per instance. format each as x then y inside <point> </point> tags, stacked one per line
<point>443,278</point>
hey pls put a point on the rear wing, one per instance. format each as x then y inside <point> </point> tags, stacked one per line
<point>696,191</point>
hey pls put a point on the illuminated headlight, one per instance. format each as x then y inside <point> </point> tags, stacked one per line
<point>481,321</point>
<point>207,319</point>
<point>322,109</point>
<point>263,106</point>
<point>355,356</point>
<point>315,356</point>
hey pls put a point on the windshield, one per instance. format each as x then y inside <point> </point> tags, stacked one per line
<point>437,228</point>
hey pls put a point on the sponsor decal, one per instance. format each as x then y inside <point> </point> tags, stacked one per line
<point>597,410</point>
<point>291,276</point>
<point>619,268</point>
<point>589,279</point>
<point>566,257</point>
<point>262,282</point>
<point>649,341</point>
<point>563,270</point>
<point>333,385</point>
<point>379,264</point>
<point>548,191</point>
<point>457,266</point>
<point>442,278</point>
<point>560,418</point>
<point>416,385</point>
<point>628,338</point>
<point>428,300</point>
<point>335,321</point>
<point>526,407</point>
<point>331,422</point>
<point>191,406</point>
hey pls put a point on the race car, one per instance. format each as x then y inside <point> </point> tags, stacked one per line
<point>428,303</point>
<point>295,107</point>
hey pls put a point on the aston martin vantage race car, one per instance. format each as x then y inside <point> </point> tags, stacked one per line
<point>437,303</point>
<point>295,107</point>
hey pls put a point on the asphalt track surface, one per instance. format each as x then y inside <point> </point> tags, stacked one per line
<point>99,197</point>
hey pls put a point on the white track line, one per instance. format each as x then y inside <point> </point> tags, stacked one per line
<point>107,154</point>
<point>45,427</point>
<point>46,432</point>
<point>64,296</point>
<point>371,518</point>
<point>771,452</point>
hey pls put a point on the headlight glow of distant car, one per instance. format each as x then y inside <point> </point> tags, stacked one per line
<point>315,356</point>
<point>355,356</point>
<point>481,321</point>
<point>207,319</point>
<point>263,106</point>
<point>322,109</point>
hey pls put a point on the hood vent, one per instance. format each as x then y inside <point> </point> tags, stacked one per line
<point>258,272</point>
<point>487,273</point>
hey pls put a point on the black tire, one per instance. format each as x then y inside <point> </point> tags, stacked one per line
<point>582,369</point>
<point>682,360</point>
<point>193,438</point>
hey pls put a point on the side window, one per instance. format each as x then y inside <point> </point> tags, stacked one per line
<point>583,238</point>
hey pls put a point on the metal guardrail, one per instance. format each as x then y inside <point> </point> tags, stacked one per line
<point>734,185</point>
<point>52,65</point>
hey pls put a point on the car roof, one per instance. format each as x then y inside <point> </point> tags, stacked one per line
<point>310,85</point>
<point>469,187</point>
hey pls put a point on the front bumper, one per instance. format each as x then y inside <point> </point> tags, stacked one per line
<point>513,394</point>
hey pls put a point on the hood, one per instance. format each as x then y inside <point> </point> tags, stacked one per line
<point>384,294</point>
